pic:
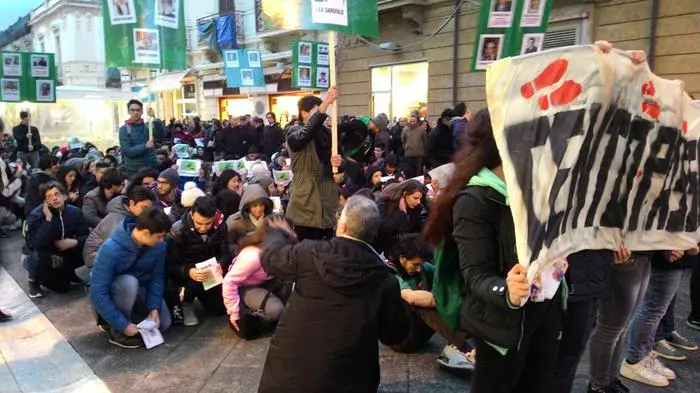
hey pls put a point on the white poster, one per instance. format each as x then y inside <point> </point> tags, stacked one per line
<point>247,77</point>
<point>323,57</point>
<point>167,13</point>
<point>10,90</point>
<point>304,76</point>
<point>333,12</point>
<point>231,59</point>
<point>147,46</point>
<point>490,48</point>
<point>12,64</point>
<point>44,90</point>
<point>501,14</point>
<point>533,13</point>
<point>254,59</point>
<point>121,12</point>
<point>532,43</point>
<point>305,52</point>
<point>40,66</point>
<point>322,77</point>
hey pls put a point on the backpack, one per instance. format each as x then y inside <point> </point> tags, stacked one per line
<point>449,288</point>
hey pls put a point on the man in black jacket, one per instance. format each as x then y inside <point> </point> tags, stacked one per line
<point>345,301</point>
<point>273,136</point>
<point>199,236</point>
<point>28,140</point>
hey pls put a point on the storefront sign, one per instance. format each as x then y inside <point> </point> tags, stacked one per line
<point>509,28</point>
<point>145,34</point>
<point>310,65</point>
<point>28,76</point>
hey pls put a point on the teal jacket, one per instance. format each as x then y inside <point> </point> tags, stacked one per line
<point>132,139</point>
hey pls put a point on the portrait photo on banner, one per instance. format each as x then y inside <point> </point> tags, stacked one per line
<point>147,46</point>
<point>247,77</point>
<point>166,14</point>
<point>44,90</point>
<point>533,13</point>
<point>322,77</point>
<point>254,59</point>
<point>501,13</point>
<point>323,57</point>
<point>121,12</point>
<point>490,48</point>
<point>40,66</point>
<point>12,64</point>
<point>305,52</point>
<point>231,59</point>
<point>532,43</point>
<point>304,76</point>
<point>10,89</point>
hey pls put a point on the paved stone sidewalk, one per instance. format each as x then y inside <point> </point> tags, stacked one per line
<point>210,358</point>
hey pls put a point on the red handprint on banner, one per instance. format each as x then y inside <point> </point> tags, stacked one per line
<point>684,127</point>
<point>650,104</point>
<point>551,75</point>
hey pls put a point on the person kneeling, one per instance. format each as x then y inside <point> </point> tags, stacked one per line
<point>262,295</point>
<point>128,277</point>
<point>415,277</point>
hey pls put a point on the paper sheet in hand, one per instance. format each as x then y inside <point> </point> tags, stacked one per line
<point>277,203</point>
<point>215,278</point>
<point>150,334</point>
<point>167,210</point>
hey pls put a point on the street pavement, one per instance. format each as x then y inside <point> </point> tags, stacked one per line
<point>206,358</point>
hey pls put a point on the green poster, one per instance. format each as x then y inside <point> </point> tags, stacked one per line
<point>145,34</point>
<point>243,68</point>
<point>346,16</point>
<point>310,64</point>
<point>509,28</point>
<point>28,76</point>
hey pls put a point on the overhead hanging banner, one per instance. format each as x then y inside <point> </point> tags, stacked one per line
<point>310,64</point>
<point>28,76</point>
<point>346,16</point>
<point>145,34</point>
<point>597,152</point>
<point>509,28</point>
<point>243,68</point>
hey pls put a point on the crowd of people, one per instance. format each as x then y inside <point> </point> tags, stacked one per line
<point>405,233</point>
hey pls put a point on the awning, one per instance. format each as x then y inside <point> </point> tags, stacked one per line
<point>167,82</point>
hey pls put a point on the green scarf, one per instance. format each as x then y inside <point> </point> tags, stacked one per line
<point>486,178</point>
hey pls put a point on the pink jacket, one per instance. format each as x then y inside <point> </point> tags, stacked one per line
<point>245,270</point>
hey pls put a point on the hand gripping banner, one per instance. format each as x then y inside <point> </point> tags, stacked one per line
<point>597,152</point>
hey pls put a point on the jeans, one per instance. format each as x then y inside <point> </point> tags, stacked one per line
<point>622,297</point>
<point>32,264</point>
<point>663,286</point>
<point>130,299</point>
<point>667,324</point>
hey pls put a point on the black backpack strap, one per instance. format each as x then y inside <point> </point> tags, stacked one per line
<point>261,310</point>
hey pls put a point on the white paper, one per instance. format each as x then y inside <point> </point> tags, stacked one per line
<point>282,177</point>
<point>215,277</point>
<point>150,334</point>
<point>334,12</point>
<point>168,209</point>
<point>277,203</point>
<point>199,142</point>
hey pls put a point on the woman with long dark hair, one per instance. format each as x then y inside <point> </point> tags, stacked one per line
<point>400,205</point>
<point>472,226</point>
<point>70,179</point>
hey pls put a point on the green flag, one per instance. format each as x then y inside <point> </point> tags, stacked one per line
<point>28,76</point>
<point>145,34</point>
<point>346,16</point>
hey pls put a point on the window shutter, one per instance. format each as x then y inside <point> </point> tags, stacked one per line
<point>560,38</point>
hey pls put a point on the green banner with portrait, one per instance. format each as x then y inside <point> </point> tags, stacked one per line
<point>145,34</point>
<point>346,16</point>
<point>509,28</point>
<point>28,76</point>
<point>310,65</point>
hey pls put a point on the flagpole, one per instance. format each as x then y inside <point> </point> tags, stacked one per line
<point>334,106</point>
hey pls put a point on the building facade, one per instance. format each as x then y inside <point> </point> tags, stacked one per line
<point>419,70</point>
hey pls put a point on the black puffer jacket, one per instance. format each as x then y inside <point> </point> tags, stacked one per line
<point>485,236</point>
<point>588,274</point>
<point>186,247</point>
<point>345,300</point>
<point>394,221</point>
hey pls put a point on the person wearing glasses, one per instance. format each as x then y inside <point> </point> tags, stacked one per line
<point>135,141</point>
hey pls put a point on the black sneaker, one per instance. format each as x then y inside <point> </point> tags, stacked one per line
<point>76,281</point>
<point>609,389</point>
<point>619,387</point>
<point>4,317</point>
<point>177,315</point>
<point>693,324</point>
<point>35,290</point>
<point>124,341</point>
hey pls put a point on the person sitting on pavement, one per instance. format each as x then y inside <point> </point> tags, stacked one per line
<point>136,200</point>
<point>345,301</point>
<point>128,278</point>
<point>95,202</point>
<point>57,231</point>
<point>169,194</point>
<point>199,236</point>
<point>96,169</point>
<point>48,166</point>
<point>415,277</point>
<point>247,286</point>
<point>401,206</point>
<point>255,206</point>
<point>69,178</point>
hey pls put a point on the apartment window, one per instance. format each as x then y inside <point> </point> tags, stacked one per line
<point>226,6</point>
<point>398,90</point>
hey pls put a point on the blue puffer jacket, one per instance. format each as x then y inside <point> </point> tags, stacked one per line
<point>133,140</point>
<point>120,255</point>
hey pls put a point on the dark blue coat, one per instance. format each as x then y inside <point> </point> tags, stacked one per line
<point>120,255</point>
<point>69,224</point>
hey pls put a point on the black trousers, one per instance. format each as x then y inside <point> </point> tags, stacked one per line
<point>309,233</point>
<point>577,326</point>
<point>413,166</point>
<point>695,293</point>
<point>212,300</point>
<point>529,367</point>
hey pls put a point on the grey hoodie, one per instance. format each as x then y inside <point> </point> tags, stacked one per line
<point>239,225</point>
<point>116,211</point>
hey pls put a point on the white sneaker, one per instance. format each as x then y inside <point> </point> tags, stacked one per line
<point>190,316</point>
<point>642,372</point>
<point>659,367</point>
<point>453,358</point>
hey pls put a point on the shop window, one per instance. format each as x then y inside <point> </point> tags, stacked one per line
<point>397,90</point>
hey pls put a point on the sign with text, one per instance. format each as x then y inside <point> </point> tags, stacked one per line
<point>28,76</point>
<point>597,152</point>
